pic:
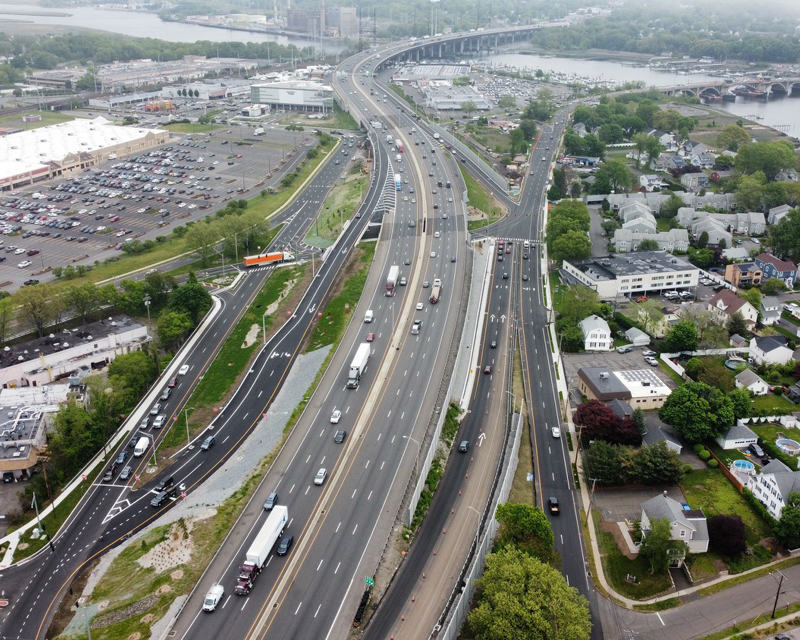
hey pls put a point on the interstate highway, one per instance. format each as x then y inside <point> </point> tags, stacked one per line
<point>110,513</point>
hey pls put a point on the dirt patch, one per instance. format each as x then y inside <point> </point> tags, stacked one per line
<point>251,337</point>
<point>613,529</point>
<point>176,550</point>
<point>66,610</point>
<point>119,615</point>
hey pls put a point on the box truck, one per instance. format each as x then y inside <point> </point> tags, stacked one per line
<point>398,184</point>
<point>436,291</point>
<point>391,281</point>
<point>268,258</point>
<point>142,444</point>
<point>358,365</point>
<point>258,552</point>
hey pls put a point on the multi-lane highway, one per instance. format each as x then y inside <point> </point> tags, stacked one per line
<point>109,513</point>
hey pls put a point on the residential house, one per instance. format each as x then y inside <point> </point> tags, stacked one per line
<point>770,310</point>
<point>735,253</point>
<point>770,350</point>
<point>787,175</point>
<point>776,268</point>
<point>776,214</point>
<point>650,182</point>
<point>719,175</point>
<point>686,525</point>
<point>580,129</point>
<point>641,225</point>
<point>692,148</point>
<point>655,435</point>
<point>743,273</point>
<point>596,334</point>
<point>774,485</point>
<point>725,303</point>
<point>737,341</point>
<point>667,140</point>
<point>704,160</point>
<point>673,240</point>
<point>633,210</point>
<point>751,223</point>
<point>637,337</point>
<point>738,436</point>
<point>694,181</point>
<point>716,231</point>
<point>674,162</point>
<point>686,215</point>
<point>751,381</point>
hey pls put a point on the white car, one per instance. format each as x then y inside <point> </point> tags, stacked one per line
<point>336,416</point>
<point>420,306</point>
<point>320,477</point>
<point>556,432</point>
<point>24,263</point>
<point>19,251</point>
<point>651,361</point>
<point>648,352</point>
<point>183,370</point>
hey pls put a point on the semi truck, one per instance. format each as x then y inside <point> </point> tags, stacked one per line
<point>391,281</point>
<point>436,291</point>
<point>358,365</point>
<point>398,184</point>
<point>257,554</point>
<point>400,147</point>
<point>268,258</point>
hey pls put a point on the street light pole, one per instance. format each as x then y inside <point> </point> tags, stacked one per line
<point>186,417</point>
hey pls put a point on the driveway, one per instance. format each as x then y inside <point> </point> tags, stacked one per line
<point>620,504</point>
<point>596,234</point>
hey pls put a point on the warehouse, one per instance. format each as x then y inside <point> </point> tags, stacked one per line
<point>59,149</point>
<point>302,95</point>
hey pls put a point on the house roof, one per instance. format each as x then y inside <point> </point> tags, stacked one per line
<point>770,302</point>
<point>748,378</point>
<point>592,323</point>
<point>620,407</point>
<point>730,302</point>
<point>767,344</point>
<point>780,265</point>
<point>738,432</point>
<point>634,333</point>
<point>737,339</point>
<point>788,481</point>
<point>654,435</point>
<point>665,507</point>
<point>784,208</point>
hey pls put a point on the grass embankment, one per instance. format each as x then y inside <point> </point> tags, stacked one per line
<point>234,357</point>
<point>336,314</point>
<point>340,204</point>
<point>343,119</point>
<point>480,199</point>
<point>190,127</point>
<point>265,204</point>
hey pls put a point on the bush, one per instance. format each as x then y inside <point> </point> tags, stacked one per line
<point>759,507</point>
<point>705,454</point>
<point>698,448</point>
<point>775,453</point>
<point>713,463</point>
<point>687,469</point>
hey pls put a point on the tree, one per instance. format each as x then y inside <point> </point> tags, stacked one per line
<point>650,314</point>
<point>507,102</point>
<point>682,337</point>
<point>648,245</point>
<point>577,302</point>
<point>788,527</point>
<point>597,420</point>
<point>468,107</point>
<point>191,298</point>
<point>656,464</point>
<point>741,403</point>
<point>737,324</point>
<point>6,315</point>
<point>769,157</point>
<point>517,142</point>
<point>543,107</point>
<point>726,535</point>
<point>201,238</point>
<point>750,191</point>
<point>753,296</point>
<point>132,373</point>
<point>697,411</point>
<point>702,241</point>
<point>669,209</point>
<point>618,174</point>
<point>656,545</point>
<point>172,328</point>
<point>784,237</point>
<point>640,143</point>
<point>771,286</point>
<point>83,299</point>
<point>601,461</point>
<point>526,528</point>
<point>37,306</point>
<point>521,597</point>
<point>732,136</point>
<point>573,245</point>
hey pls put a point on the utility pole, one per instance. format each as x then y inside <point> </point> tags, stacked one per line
<point>777,595</point>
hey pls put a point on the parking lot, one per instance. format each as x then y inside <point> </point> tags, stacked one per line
<point>89,216</point>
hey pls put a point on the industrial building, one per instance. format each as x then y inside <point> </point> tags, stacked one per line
<point>302,95</point>
<point>56,150</point>
<point>443,96</point>
<point>640,388</point>
<point>331,22</point>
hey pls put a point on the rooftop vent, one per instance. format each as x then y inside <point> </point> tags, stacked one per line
<point>604,375</point>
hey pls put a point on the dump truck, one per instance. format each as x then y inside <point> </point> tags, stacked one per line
<point>268,258</point>
<point>436,291</point>
<point>258,552</point>
<point>391,281</point>
<point>358,365</point>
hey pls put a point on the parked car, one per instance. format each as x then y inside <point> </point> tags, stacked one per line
<point>624,349</point>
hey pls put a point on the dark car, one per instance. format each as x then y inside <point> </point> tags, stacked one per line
<point>121,458</point>
<point>30,282</point>
<point>756,450</point>
<point>165,483</point>
<point>172,382</point>
<point>284,545</point>
<point>208,443</point>
<point>552,504</point>
<point>271,501</point>
<point>493,344</point>
<point>109,474</point>
<point>161,497</point>
<point>126,473</point>
<point>464,446</point>
<point>341,434</point>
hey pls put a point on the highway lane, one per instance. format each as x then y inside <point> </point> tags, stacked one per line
<point>105,516</point>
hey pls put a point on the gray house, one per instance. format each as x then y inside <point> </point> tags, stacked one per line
<point>686,525</point>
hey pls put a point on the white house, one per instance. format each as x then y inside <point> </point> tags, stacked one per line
<point>694,181</point>
<point>773,485</point>
<point>770,350</point>
<point>770,310</point>
<point>725,303</point>
<point>749,380</point>
<point>688,526</point>
<point>650,181</point>
<point>776,214</point>
<point>738,436</point>
<point>641,225</point>
<point>672,240</point>
<point>596,334</point>
<point>716,230</point>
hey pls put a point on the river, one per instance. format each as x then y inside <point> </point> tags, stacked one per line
<point>145,25</point>
<point>780,112</point>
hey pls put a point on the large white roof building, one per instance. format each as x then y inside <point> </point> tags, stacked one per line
<point>47,152</point>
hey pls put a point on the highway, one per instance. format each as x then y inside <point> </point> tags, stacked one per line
<point>109,513</point>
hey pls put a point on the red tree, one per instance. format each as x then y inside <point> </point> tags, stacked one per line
<point>598,420</point>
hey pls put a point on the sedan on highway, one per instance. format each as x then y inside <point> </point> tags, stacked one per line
<point>487,369</point>
<point>272,500</point>
<point>336,416</point>
<point>556,432</point>
<point>284,545</point>
<point>319,479</point>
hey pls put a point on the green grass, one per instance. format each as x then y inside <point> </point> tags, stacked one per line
<point>48,118</point>
<point>702,565</point>
<point>672,374</point>
<point>662,224</point>
<point>474,225</point>
<point>661,605</point>
<point>479,197</point>
<point>790,318</point>
<point>335,316</point>
<point>727,456</point>
<point>232,358</point>
<point>712,492</point>
<point>343,119</point>
<point>557,289</point>
<point>770,402</point>
<point>190,127</point>
<point>345,198</point>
